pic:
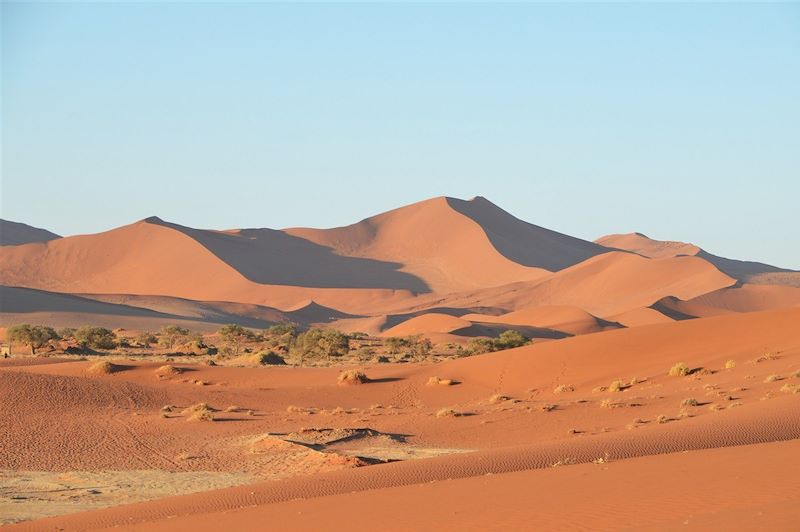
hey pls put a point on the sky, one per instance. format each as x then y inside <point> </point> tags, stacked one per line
<point>680,121</point>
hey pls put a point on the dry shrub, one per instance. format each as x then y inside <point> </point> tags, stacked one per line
<point>636,380</point>
<point>447,412</point>
<point>435,381</point>
<point>292,409</point>
<point>772,378</point>
<point>679,370</point>
<point>716,407</point>
<point>167,408</point>
<point>734,405</point>
<point>790,388</point>
<point>351,377</point>
<point>663,419</point>
<point>796,374</point>
<point>199,412</point>
<point>251,412</point>
<point>167,371</point>
<point>564,388</point>
<point>730,364</point>
<point>547,407</point>
<point>599,389</point>
<point>689,402</point>
<point>103,367</point>
<point>233,408</point>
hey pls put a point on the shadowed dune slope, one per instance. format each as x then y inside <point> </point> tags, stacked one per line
<point>15,233</point>
<point>745,271</point>
<point>267,256</point>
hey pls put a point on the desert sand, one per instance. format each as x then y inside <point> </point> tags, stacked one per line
<point>659,387</point>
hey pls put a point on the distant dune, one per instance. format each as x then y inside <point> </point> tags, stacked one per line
<point>14,233</point>
<point>442,253</point>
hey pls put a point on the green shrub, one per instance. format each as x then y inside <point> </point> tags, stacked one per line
<point>96,337</point>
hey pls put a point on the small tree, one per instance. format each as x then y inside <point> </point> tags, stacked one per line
<point>96,337</point>
<point>320,343</point>
<point>419,346</point>
<point>394,344</point>
<point>65,333</point>
<point>35,336</point>
<point>171,335</point>
<point>235,336</point>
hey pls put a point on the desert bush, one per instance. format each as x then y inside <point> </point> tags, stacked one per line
<point>34,336</point>
<point>730,364</point>
<point>268,358</point>
<point>679,370</point>
<point>435,381</point>
<point>509,340</point>
<point>563,388</point>
<point>611,403</point>
<point>66,333</point>
<point>479,346</point>
<point>689,402</point>
<point>447,412</point>
<point>320,343</point>
<point>790,388</point>
<point>663,419</point>
<point>96,337</point>
<point>351,376</point>
<point>772,378</point>
<point>199,412</point>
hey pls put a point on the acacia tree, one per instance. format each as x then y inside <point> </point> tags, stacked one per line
<point>169,335</point>
<point>235,336</point>
<point>320,343</point>
<point>35,336</point>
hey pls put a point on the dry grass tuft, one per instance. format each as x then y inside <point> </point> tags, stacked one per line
<point>599,389</point>
<point>447,412</point>
<point>168,408</point>
<point>790,388</point>
<point>679,370</point>
<point>436,381</point>
<point>167,371</point>
<point>103,367</point>
<point>351,377</point>
<point>547,407</point>
<point>292,409</point>
<point>498,398</point>
<point>564,388</point>
<point>233,408</point>
<point>611,403</point>
<point>767,357</point>
<point>636,380</point>
<point>730,364</point>
<point>663,419</point>
<point>617,386</point>
<point>734,405</point>
<point>773,378</point>
<point>689,402</point>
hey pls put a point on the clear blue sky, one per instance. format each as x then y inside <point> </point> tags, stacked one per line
<point>680,121</point>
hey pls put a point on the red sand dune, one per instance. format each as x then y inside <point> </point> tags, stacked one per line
<point>745,271</point>
<point>640,316</point>
<point>572,320</point>
<point>426,324</point>
<point>750,298</point>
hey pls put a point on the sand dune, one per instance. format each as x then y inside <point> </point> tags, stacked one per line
<point>455,252</point>
<point>428,323</point>
<point>572,320</point>
<point>745,271</point>
<point>749,298</point>
<point>604,285</point>
<point>640,316</point>
<point>15,233</point>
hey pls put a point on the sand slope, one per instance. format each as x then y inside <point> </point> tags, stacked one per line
<point>572,320</point>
